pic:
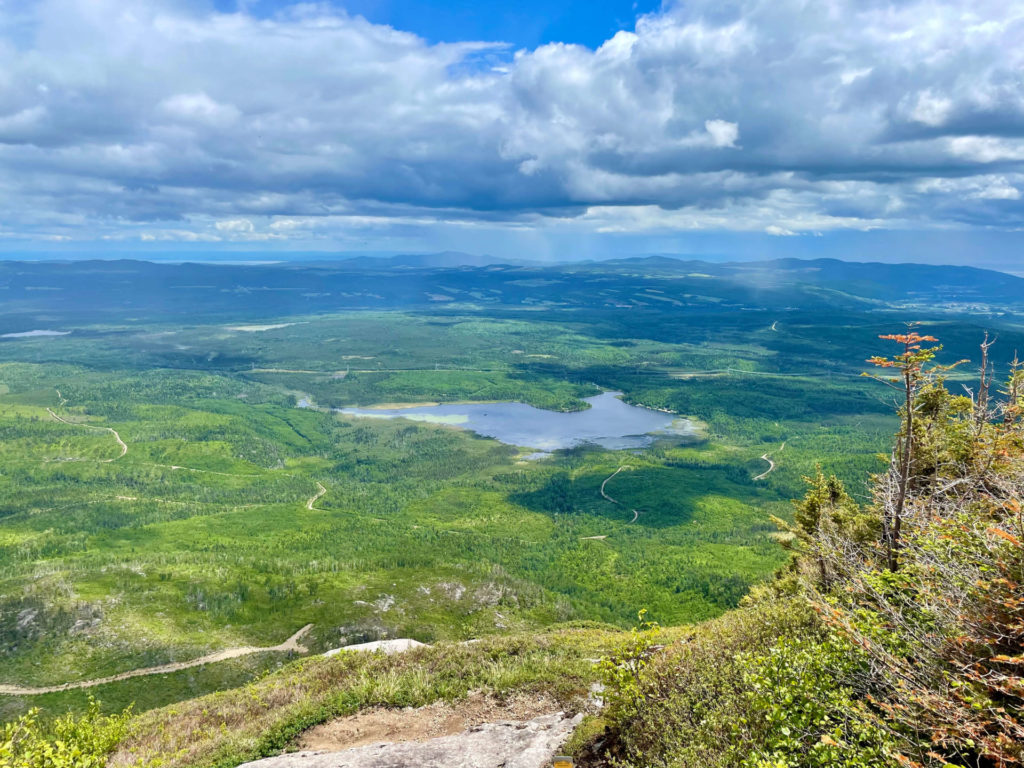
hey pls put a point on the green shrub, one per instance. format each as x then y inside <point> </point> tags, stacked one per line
<point>691,704</point>
<point>621,671</point>
<point>803,710</point>
<point>766,686</point>
<point>68,742</point>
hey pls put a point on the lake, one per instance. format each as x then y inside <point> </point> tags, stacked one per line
<point>608,422</point>
<point>33,334</point>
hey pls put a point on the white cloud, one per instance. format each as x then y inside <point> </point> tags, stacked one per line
<point>131,118</point>
<point>21,123</point>
<point>986,149</point>
<point>931,109</point>
<point>199,107</point>
<point>235,225</point>
<point>722,132</point>
<point>852,75</point>
<point>999,191</point>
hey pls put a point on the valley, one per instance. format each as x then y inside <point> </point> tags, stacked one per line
<point>179,481</point>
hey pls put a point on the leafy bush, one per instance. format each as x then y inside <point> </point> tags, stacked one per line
<point>68,742</point>
<point>934,602</point>
<point>689,705</point>
<point>803,711</point>
<point>621,671</point>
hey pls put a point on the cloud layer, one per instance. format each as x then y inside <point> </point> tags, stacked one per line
<point>157,120</point>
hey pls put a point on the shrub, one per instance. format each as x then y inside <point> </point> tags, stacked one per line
<point>804,709</point>
<point>690,706</point>
<point>67,742</point>
<point>934,602</point>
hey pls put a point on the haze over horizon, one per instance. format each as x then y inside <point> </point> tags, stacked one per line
<point>890,131</point>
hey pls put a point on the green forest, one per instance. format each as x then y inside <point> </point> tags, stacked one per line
<point>170,491</point>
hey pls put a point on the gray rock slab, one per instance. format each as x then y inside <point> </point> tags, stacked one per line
<point>529,744</point>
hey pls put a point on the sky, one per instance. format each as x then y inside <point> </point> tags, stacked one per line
<point>566,129</point>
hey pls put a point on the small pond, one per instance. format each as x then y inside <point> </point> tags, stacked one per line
<point>608,422</point>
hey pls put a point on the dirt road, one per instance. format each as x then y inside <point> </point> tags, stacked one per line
<point>771,465</point>
<point>291,644</point>
<point>636,512</point>
<point>312,499</point>
<point>120,442</point>
<point>613,474</point>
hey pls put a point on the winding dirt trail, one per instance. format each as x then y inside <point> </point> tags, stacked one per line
<point>319,493</point>
<point>204,471</point>
<point>771,465</point>
<point>613,474</point>
<point>636,512</point>
<point>120,442</point>
<point>291,644</point>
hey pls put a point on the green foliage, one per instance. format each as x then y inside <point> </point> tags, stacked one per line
<point>68,742</point>
<point>204,536</point>
<point>691,704</point>
<point>199,538</point>
<point>827,503</point>
<point>621,671</point>
<point>801,711</point>
<point>451,528</point>
<point>912,656</point>
<point>932,603</point>
<point>826,509</point>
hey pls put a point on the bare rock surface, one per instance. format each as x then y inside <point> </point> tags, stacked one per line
<point>441,718</point>
<point>387,646</point>
<point>506,744</point>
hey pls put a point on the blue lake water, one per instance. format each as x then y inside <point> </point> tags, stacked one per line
<point>608,422</point>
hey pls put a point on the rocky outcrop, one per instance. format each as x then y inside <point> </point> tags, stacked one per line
<point>508,744</point>
<point>387,646</point>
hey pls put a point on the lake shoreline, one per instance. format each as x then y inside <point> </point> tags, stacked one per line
<point>608,421</point>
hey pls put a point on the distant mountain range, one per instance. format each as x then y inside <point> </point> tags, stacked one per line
<point>39,294</point>
<point>443,259</point>
<point>885,280</point>
<point>867,279</point>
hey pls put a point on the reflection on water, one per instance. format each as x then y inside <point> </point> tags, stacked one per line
<point>608,422</point>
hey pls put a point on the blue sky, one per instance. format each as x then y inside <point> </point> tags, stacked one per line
<point>872,129</point>
<point>524,24</point>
